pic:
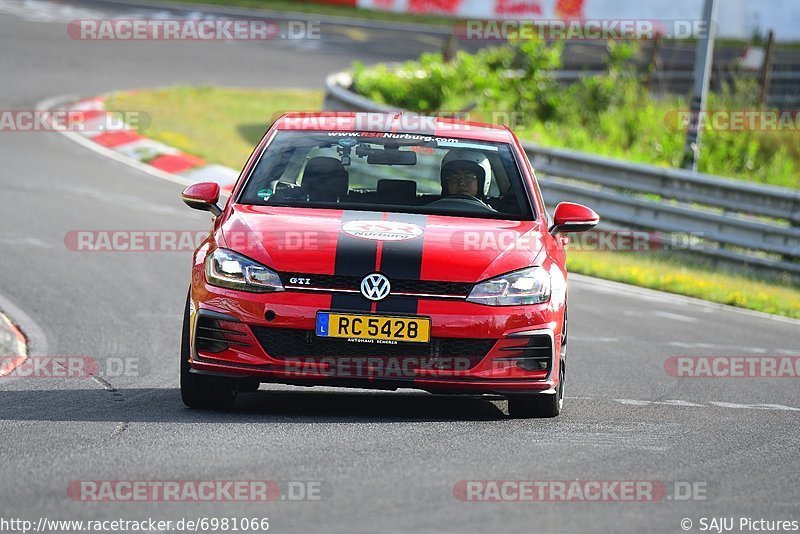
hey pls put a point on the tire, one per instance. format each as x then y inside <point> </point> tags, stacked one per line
<point>201,391</point>
<point>543,406</point>
<point>538,406</point>
<point>248,386</point>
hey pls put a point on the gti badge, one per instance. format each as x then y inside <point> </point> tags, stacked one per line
<point>375,286</point>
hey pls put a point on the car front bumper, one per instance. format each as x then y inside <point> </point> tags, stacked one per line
<point>475,349</point>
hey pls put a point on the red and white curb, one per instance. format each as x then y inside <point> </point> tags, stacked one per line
<point>132,148</point>
<point>13,346</point>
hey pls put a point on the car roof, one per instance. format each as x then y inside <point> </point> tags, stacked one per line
<point>394,122</point>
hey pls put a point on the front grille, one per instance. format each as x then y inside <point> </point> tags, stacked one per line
<point>448,353</point>
<point>340,282</point>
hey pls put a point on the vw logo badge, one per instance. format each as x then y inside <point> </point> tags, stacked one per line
<point>375,286</point>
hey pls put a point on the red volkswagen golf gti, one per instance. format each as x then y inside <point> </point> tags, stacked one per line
<point>381,251</point>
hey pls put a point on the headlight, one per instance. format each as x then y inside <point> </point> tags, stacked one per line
<point>225,268</point>
<point>528,286</point>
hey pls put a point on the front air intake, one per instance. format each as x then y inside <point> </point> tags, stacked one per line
<point>214,335</point>
<point>536,355</point>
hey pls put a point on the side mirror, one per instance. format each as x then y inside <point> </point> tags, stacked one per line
<point>570,217</point>
<point>203,196</point>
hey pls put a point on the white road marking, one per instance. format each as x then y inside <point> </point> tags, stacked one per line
<point>736,406</point>
<point>718,346</point>
<point>663,403</point>
<point>675,316</point>
<point>730,405</point>
<point>594,339</point>
<point>25,241</point>
<point>679,403</point>
<point>51,103</point>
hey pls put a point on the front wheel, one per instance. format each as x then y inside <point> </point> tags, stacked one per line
<point>538,406</point>
<point>201,391</point>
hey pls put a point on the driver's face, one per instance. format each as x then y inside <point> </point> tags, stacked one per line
<point>462,182</point>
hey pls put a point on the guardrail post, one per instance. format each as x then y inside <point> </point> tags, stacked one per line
<point>653,62</point>
<point>449,48</point>
<point>794,222</point>
<point>702,74</point>
<point>766,70</point>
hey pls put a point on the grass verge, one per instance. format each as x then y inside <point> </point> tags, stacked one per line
<point>674,275</point>
<point>222,125</point>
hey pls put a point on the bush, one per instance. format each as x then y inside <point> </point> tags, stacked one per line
<point>418,85</point>
<point>609,114</point>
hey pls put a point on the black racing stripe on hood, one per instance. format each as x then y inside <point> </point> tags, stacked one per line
<point>402,260</point>
<point>354,257</point>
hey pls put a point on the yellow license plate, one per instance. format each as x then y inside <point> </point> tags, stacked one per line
<point>378,327</point>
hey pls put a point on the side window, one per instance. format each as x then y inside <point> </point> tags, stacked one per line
<point>284,165</point>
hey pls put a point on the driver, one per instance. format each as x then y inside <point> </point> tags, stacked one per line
<point>466,172</point>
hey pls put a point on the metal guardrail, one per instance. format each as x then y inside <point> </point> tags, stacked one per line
<point>739,224</point>
<point>674,184</point>
<point>782,91</point>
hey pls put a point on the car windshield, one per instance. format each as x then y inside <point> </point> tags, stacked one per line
<point>380,171</point>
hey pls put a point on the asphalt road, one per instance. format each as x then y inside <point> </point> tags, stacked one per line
<point>387,462</point>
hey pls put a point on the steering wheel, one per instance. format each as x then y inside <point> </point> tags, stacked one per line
<point>459,200</point>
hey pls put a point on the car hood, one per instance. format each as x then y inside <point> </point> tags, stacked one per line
<point>407,246</point>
